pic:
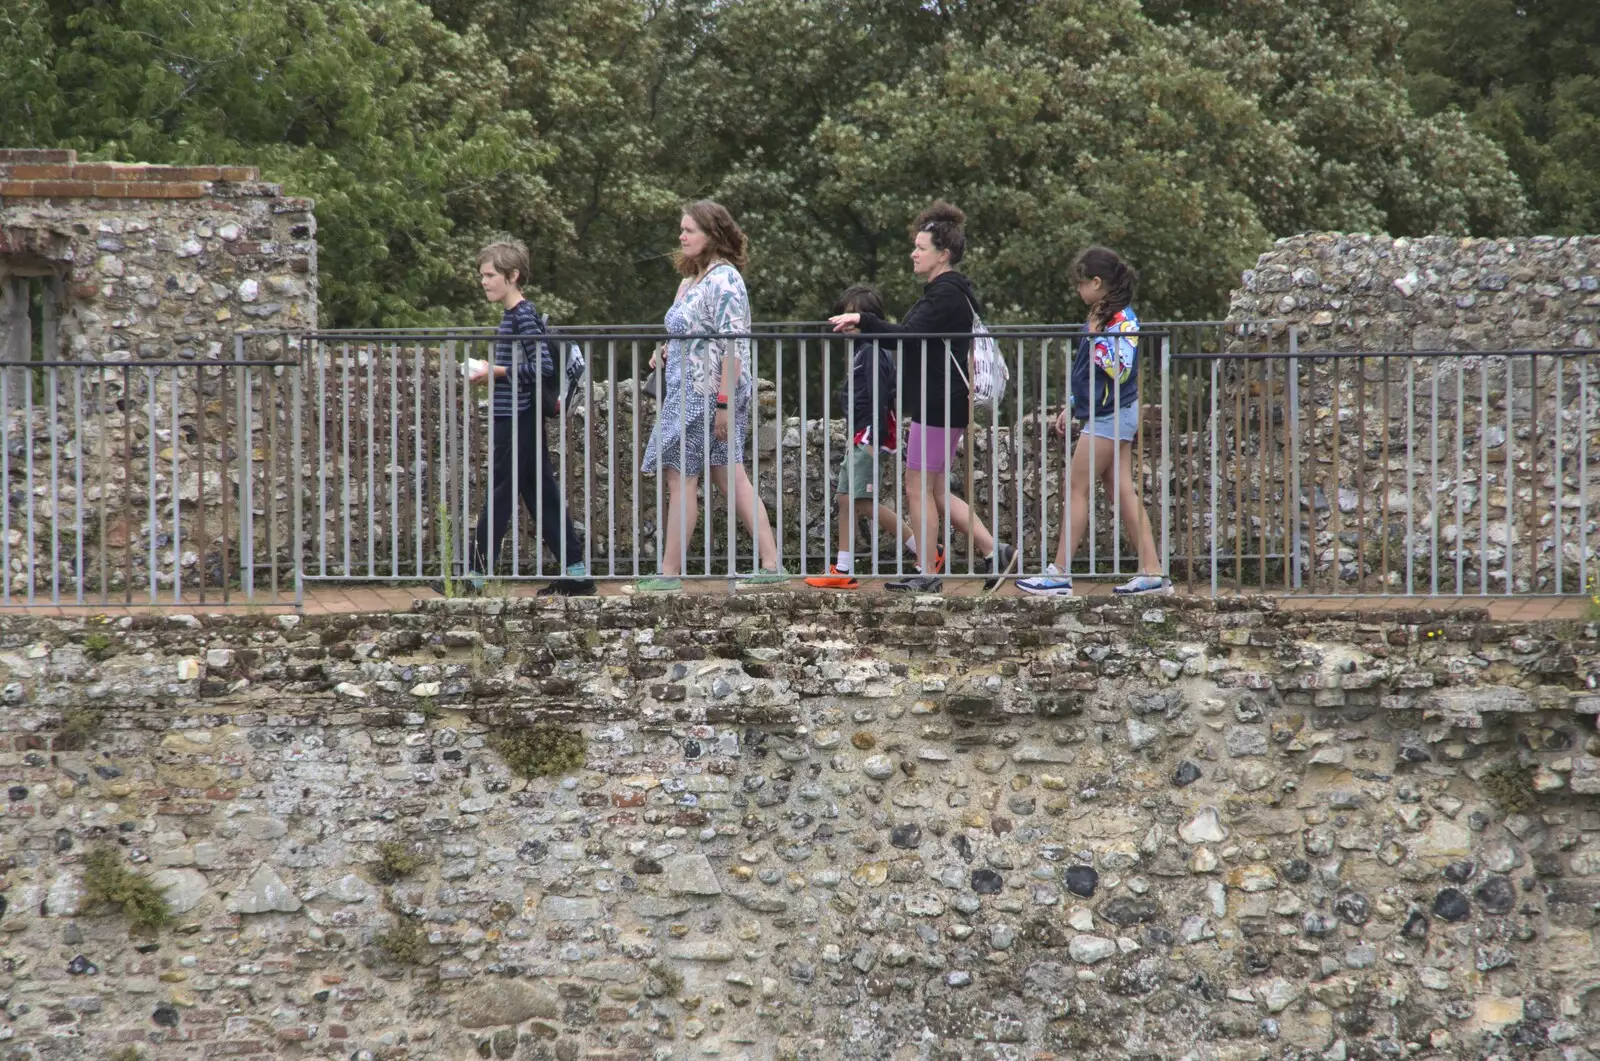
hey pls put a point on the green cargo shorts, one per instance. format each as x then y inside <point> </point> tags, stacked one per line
<point>856,471</point>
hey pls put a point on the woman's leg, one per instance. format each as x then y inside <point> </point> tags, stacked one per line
<point>682,514</point>
<point>752,512</point>
<point>1135,518</point>
<point>923,517</point>
<point>966,521</point>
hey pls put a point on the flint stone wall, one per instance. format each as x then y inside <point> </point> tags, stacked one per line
<point>157,262</point>
<point>812,827</point>
<point>1523,502</point>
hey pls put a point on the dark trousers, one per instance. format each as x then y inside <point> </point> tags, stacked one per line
<point>535,481</point>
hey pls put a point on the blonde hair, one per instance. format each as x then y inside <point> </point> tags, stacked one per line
<point>508,255</point>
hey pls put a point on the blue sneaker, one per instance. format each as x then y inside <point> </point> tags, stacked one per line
<point>1050,584</point>
<point>1143,584</point>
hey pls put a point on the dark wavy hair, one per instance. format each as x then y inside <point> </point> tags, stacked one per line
<point>724,239</point>
<point>1120,278</point>
<point>860,298</point>
<point>943,223</point>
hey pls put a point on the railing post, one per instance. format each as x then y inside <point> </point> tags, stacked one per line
<point>1166,454</point>
<point>1292,393</point>
<point>296,552</point>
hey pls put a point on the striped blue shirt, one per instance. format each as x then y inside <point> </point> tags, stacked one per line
<point>520,320</point>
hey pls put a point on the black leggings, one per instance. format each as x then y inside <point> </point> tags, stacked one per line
<point>536,482</point>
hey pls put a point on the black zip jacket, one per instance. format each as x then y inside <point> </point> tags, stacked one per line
<point>946,306</point>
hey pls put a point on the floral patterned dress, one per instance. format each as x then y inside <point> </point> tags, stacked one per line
<point>683,431</point>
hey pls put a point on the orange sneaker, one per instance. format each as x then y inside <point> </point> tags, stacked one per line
<point>834,579</point>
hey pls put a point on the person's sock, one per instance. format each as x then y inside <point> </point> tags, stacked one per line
<point>911,545</point>
<point>844,562</point>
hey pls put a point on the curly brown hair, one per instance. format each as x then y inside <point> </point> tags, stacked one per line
<point>724,239</point>
<point>943,223</point>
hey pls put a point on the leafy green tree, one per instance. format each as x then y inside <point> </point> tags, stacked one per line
<point>1527,74</point>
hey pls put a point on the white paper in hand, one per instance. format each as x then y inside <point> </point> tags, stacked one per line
<point>476,369</point>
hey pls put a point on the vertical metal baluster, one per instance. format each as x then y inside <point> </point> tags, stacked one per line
<point>226,381</point>
<point>754,440</point>
<point>77,476</point>
<point>900,455</point>
<point>1116,470</point>
<point>269,474</point>
<point>1215,365</point>
<point>1191,466</point>
<point>1017,442</point>
<point>1066,445</point>
<point>344,440</point>
<point>1239,410</point>
<point>1483,478</point>
<point>1335,511</point>
<point>1264,451</point>
<point>394,460</point>
<point>805,441</point>
<point>200,473</point>
<point>611,460</point>
<point>464,535</point>
<point>1511,470</point>
<point>1383,549</point>
<point>1361,471</point>
<point>52,385</point>
<point>5,484</point>
<point>150,488</point>
<point>1411,479</point>
<point>319,352</point>
<point>1166,455</point>
<point>297,541</point>
<point>372,445</point>
<point>247,472</point>
<point>827,433</point>
<point>588,454</point>
<point>27,439</point>
<point>1433,477</point>
<point>1583,474</point>
<point>418,450</point>
<point>1459,424</point>
<point>444,534</point>
<point>634,437</point>
<point>1555,500</point>
<point>731,533</point>
<point>177,522</point>
<point>1533,475</point>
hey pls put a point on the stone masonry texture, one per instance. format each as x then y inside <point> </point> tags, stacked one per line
<point>806,826</point>
<point>158,262</point>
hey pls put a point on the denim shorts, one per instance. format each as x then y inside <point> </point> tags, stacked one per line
<point>1120,426</point>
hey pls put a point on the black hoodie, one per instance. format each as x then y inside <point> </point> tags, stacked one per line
<point>947,305</point>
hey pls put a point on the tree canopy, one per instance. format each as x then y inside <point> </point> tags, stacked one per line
<point>1185,133</point>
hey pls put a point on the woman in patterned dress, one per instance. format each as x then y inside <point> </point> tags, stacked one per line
<point>708,394</point>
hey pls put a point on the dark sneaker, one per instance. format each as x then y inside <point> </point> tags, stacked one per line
<point>576,584</point>
<point>916,584</point>
<point>1000,564</point>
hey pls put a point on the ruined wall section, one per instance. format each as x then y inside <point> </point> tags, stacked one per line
<point>806,827</point>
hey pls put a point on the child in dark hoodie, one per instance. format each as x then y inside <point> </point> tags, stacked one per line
<point>869,405</point>
<point>934,390</point>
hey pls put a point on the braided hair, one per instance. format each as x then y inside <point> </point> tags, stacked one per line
<point>1120,278</point>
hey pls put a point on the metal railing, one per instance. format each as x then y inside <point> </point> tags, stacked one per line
<point>400,460</point>
<point>1400,472</point>
<point>367,457</point>
<point>150,482</point>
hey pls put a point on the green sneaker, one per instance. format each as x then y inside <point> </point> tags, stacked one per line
<point>768,578</point>
<point>658,585</point>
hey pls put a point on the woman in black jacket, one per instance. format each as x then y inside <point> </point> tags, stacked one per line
<point>933,389</point>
